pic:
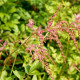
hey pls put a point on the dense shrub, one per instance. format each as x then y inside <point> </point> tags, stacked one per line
<point>36,46</point>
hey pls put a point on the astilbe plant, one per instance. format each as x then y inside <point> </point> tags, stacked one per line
<point>3,46</point>
<point>52,33</point>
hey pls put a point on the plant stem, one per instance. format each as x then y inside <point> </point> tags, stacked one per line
<point>64,65</point>
<point>13,64</point>
<point>46,35</point>
<point>62,1</point>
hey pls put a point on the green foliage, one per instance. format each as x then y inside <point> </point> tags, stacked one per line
<point>19,74</point>
<point>14,15</point>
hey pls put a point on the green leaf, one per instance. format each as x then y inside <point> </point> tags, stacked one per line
<point>18,62</point>
<point>19,74</point>
<point>12,10</point>
<point>34,77</point>
<point>9,78</point>
<point>27,68</point>
<point>15,16</point>
<point>2,15</point>
<point>3,75</point>
<point>34,66</point>
<point>44,77</point>
<point>36,72</point>
<point>39,77</point>
<point>22,28</point>
<point>28,78</point>
<point>16,29</point>
<point>50,9</point>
